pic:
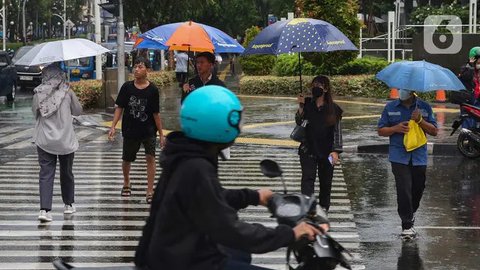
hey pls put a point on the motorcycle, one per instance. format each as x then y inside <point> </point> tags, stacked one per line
<point>290,209</point>
<point>468,141</point>
<point>324,253</point>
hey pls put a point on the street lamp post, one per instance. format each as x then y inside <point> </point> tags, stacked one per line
<point>64,18</point>
<point>23,22</point>
<point>98,39</point>
<point>43,30</point>
<point>120,46</point>
<point>63,22</point>
<point>4,25</point>
<point>12,32</point>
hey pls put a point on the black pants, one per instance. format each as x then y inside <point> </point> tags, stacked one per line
<point>310,166</point>
<point>181,78</point>
<point>410,183</point>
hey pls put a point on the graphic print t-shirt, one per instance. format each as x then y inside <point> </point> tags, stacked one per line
<point>138,105</point>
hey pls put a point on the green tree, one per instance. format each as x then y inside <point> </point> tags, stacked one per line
<point>344,18</point>
<point>256,64</point>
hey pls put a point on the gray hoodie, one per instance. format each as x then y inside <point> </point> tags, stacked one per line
<point>53,107</point>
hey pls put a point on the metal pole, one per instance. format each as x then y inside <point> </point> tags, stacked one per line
<point>360,44</point>
<point>98,40</point>
<point>4,26</point>
<point>121,46</point>
<point>64,19</point>
<point>472,18</point>
<point>391,15</point>
<point>394,35</point>
<point>162,58</point>
<point>23,22</point>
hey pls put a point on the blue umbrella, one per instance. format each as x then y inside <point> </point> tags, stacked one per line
<point>419,76</point>
<point>222,42</point>
<point>299,35</point>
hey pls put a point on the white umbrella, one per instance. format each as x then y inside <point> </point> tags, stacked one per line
<point>62,50</point>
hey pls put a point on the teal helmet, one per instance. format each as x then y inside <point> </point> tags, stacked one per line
<point>211,114</point>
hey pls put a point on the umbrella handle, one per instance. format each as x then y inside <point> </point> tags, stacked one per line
<point>300,71</point>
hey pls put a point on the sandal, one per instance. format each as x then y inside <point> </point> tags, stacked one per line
<point>149,198</point>
<point>126,191</point>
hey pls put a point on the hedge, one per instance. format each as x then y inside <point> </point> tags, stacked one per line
<point>89,91</point>
<point>352,85</point>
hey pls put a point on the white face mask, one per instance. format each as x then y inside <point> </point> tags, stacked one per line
<point>404,94</point>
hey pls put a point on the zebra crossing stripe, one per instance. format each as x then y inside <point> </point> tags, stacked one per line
<point>106,227</point>
<point>11,137</point>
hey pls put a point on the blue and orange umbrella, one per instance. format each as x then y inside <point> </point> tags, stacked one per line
<point>192,36</point>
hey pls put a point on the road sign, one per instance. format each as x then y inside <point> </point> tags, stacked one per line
<point>69,24</point>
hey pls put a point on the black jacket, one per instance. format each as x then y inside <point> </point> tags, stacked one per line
<point>321,138</point>
<point>466,77</point>
<point>192,214</point>
<point>196,83</point>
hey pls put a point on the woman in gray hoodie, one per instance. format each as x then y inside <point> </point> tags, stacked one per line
<point>53,106</point>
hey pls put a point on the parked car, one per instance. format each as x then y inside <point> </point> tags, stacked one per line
<point>8,77</point>
<point>28,76</point>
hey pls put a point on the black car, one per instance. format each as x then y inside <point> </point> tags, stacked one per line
<point>28,76</point>
<point>8,77</point>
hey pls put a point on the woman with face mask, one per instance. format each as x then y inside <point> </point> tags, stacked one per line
<point>323,143</point>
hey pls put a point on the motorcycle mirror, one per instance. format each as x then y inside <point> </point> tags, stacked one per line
<point>270,168</point>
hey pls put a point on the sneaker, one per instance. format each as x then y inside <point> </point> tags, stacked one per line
<point>409,233</point>
<point>45,216</point>
<point>69,209</point>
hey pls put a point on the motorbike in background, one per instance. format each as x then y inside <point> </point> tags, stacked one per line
<point>468,141</point>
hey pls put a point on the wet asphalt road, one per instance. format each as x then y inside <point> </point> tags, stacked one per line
<point>448,220</point>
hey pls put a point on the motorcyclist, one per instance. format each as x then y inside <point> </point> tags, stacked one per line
<point>470,75</point>
<point>191,214</point>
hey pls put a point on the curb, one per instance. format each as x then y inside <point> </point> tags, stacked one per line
<point>441,149</point>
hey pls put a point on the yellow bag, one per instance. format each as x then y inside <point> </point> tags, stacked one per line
<point>415,137</point>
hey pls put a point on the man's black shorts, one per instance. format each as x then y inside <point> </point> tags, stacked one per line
<point>131,147</point>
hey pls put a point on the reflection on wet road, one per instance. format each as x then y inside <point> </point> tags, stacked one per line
<point>448,220</point>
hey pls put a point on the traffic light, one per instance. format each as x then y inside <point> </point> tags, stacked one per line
<point>111,6</point>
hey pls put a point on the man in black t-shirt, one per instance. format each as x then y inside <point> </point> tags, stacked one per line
<point>138,105</point>
<point>204,62</point>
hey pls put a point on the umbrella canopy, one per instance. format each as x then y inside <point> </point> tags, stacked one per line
<point>142,43</point>
<point>190,37</point>
<point>192,34</point>
<point>419,76</point>
<point>62,50</point>
<point>299,35</point>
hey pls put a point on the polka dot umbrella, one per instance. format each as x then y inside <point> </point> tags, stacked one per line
<point>299,35</point>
